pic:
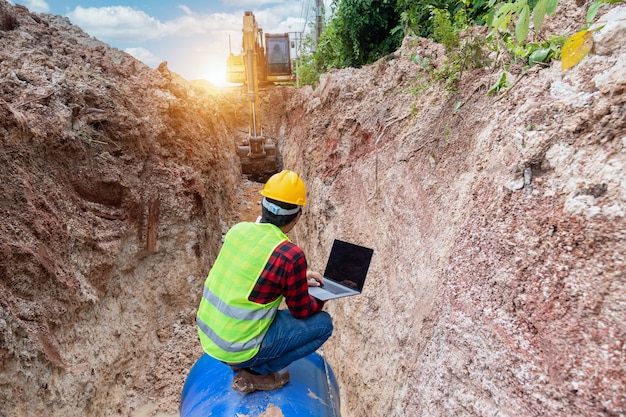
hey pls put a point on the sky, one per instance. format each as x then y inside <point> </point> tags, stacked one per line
<point>193,36</point>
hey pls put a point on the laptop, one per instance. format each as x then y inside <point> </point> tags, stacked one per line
<point>345,271</point>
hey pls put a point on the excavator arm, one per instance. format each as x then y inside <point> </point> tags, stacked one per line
<point>253,67</point>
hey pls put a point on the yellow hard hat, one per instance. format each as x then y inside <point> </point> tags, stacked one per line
<point>286,186</point>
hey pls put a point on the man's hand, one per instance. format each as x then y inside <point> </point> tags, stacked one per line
<point>314,279</point>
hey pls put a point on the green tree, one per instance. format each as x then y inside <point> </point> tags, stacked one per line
<point>359,33</point>
<point>362,31</point>
<point>416,16</point>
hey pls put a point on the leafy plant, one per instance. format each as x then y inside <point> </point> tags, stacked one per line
<point>520,12</point>
<point>457,107</point>
<point>421,61</point>
<point>595,7</point>
<point>308,73</point>
<point>419,86</point>
<point>415,15</point>
<point>540,52</point>
<point>499,85</point>
<point>362,31</point>
<point>443,29</point>
<point>359,33</point>
<point>449,74</point>
<point>462,55</point>
<point>576,48</point>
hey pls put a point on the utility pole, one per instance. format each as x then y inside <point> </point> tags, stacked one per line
<point>296,44</point>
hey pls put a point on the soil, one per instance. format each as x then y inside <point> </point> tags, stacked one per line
<point>498,284</point>
<point>250,203</point>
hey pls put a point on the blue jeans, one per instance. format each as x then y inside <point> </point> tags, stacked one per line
<point>289,339</point>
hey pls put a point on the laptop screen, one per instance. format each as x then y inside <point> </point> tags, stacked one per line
<point>348,264</point>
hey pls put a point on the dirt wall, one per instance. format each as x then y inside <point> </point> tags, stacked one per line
<point>498,283</point>
<point>117,184</point>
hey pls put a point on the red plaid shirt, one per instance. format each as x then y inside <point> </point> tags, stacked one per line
<point>285,273</point>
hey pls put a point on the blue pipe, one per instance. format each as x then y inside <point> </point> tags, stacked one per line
<point>311,392</point>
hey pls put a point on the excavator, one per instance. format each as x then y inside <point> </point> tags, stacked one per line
<point>264,60</point>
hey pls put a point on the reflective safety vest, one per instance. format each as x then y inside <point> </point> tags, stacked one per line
<point>231,328</point>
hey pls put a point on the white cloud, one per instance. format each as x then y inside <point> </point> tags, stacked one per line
<point>144,56</point>
<point>202,24</point>
<point>291,24</point>
<point>36,6</point>
<point>129,25</point>
<point>287,17</point>
<point>117,23</point>
<point>253,4</point>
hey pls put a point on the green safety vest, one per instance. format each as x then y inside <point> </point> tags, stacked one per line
<point>231,328</point>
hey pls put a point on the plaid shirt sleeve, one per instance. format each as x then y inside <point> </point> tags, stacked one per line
<point>285,273</point>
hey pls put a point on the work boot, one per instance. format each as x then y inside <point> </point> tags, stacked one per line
<point>244,381</point>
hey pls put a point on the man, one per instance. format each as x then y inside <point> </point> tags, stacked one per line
<point>239,322</point>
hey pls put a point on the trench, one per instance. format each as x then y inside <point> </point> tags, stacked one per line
<point>490,298</point>
<point>248,208</point>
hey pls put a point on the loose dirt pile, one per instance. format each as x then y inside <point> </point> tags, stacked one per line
<point>498,286</point>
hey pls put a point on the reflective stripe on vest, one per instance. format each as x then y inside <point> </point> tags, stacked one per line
<point>236,312</point>
<point>231,328</point>
<point>225,345</point>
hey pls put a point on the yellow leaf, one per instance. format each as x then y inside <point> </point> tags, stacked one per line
<point>576,47</point>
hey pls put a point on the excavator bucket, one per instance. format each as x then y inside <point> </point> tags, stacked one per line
<point>259,159</point>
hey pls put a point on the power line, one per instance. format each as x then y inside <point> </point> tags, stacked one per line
<point>306,17</point>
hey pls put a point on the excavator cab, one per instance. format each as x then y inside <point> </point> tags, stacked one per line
<point>263,61</point>
<point>278,57</point>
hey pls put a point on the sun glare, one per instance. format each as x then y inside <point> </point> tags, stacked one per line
<point>216,75</point>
